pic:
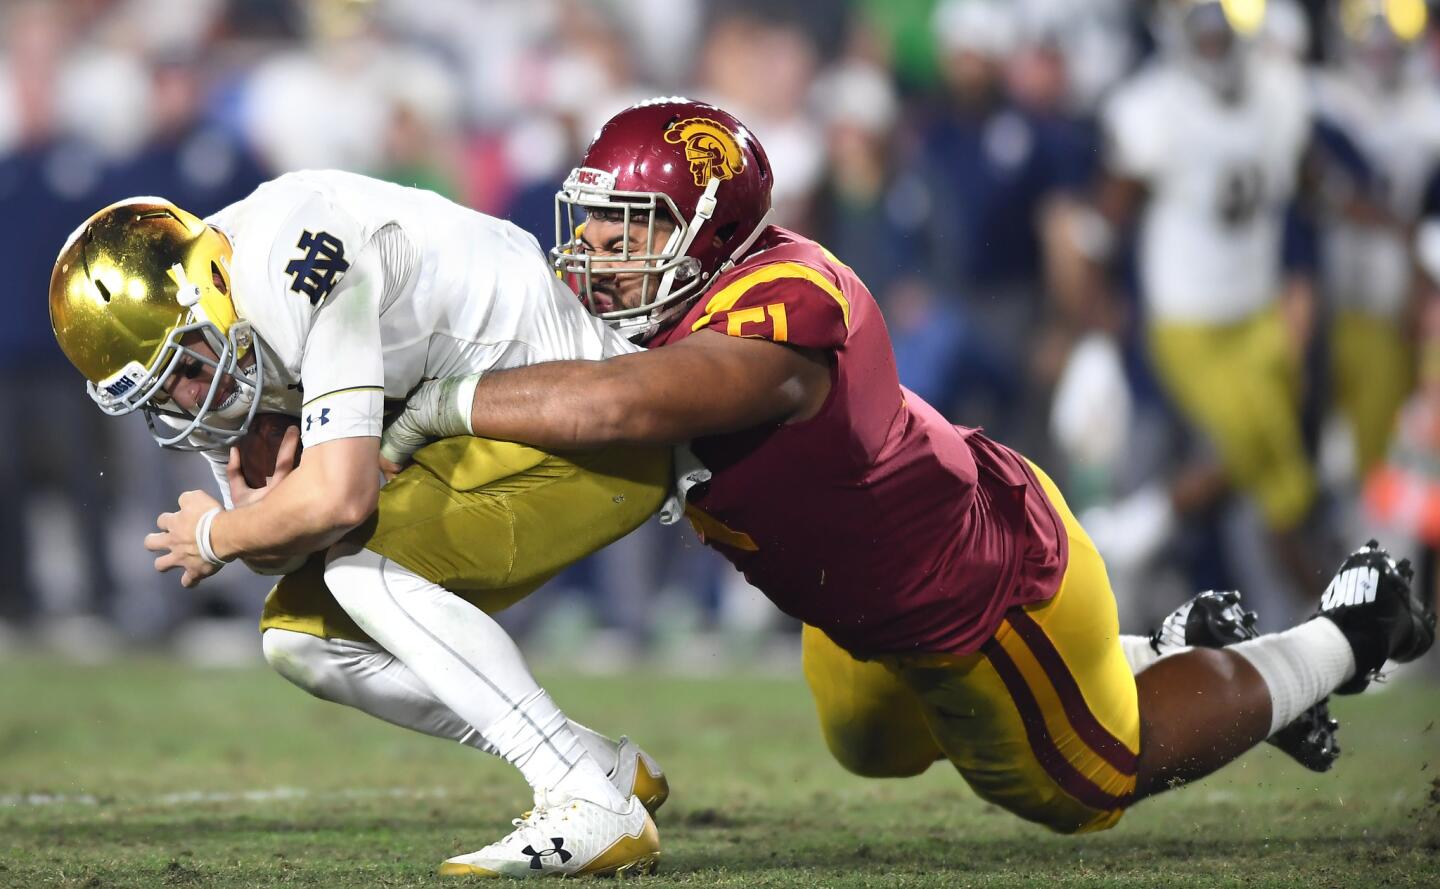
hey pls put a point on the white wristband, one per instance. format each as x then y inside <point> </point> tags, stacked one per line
<point>202,537</point>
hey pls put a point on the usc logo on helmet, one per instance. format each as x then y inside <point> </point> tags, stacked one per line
<point>711,149</point>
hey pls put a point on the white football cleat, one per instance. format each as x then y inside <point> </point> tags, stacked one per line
<point>570,839</point>
<point>638,774</point>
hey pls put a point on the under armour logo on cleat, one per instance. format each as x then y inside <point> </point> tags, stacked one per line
<point>535,857</point>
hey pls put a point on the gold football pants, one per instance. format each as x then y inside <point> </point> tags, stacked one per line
<point>1239,384</point>
<point>1372,363</point>
<point>1043,721</point>
<point>490,521</point>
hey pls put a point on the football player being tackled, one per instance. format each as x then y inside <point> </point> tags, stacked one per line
<point>953,607</point>
<point>319,297</point>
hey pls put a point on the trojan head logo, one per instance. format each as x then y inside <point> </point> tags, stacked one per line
<point>711,149</point>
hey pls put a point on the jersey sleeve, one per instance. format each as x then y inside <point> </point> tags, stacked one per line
<point>784,302</point>
<point>343,366</point>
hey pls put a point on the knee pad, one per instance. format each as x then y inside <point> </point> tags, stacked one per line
<point>877,753</point>
<point>311,663</point>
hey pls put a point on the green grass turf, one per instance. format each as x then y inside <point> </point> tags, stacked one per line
<point>152,762</point>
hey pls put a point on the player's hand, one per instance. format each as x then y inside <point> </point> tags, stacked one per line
<point>175,541</point>
<point>436,409</point>
<point>241,494</point>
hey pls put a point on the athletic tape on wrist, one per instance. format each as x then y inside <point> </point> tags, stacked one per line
<point>464,401</point>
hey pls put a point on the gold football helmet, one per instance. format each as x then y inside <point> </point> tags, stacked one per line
<point>130,285</point>
<point>1381,39</point>
<point>1210,38</point>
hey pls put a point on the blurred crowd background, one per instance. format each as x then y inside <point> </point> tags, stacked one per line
<point>1180,253</point>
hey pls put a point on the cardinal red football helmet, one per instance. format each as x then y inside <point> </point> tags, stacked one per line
<point>691,161</point>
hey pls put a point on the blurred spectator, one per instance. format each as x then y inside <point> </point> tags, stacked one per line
<point>590,75</point>
<point>319,106</point>
<point>1093,39</point>
<point>763,72</point>
<point>904,39</point>
<point>994,165</point>
<point>49,180</point>
<point>421,138</point>
<point>870,210</point>
<point>188,158</point>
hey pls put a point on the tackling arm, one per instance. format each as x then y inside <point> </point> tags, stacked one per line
<point>705,384</point>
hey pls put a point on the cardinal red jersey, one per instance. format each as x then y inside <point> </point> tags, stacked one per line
<point>875,520</point>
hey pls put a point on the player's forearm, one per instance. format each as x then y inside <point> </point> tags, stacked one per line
<point>706,384</point>
<point>563,405</point>
<point>305,514</point>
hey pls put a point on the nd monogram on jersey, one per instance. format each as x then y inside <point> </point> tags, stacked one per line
<point>361,289</point>
<point>1219,176</point>
<point>1368,267</point>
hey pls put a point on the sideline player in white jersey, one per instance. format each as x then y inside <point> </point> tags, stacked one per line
<point>1390,112</point>
<point>1205,147</point>
<point>319,296</point>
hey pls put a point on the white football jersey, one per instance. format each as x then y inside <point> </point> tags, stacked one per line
<point>360,289</point>
<point>1368,267</point>
<point>1219,177</point>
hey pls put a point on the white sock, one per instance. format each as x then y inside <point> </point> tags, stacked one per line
<point>535,739</point>
<point>372,680</point>
<point>1300,666</point>
<point>471,665</point>
<point>1139,653</point>
<point>603,749</point>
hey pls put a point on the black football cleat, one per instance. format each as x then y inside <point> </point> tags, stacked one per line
<point>1210,620</point>
<point>1371,601</point>
<point>1310,739</point>
<point>1215,620</point>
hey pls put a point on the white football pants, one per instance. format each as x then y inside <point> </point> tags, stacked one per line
<point>445,668</point>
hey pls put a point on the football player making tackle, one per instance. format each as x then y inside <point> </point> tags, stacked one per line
<point>320,296</point>
<point>953,607</point>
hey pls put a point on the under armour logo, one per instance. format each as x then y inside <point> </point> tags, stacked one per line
<point>318,271</point>
<point>323,418</point>
<point>535,857</point>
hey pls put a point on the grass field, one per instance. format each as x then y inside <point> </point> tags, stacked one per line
<point>151,774</point>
